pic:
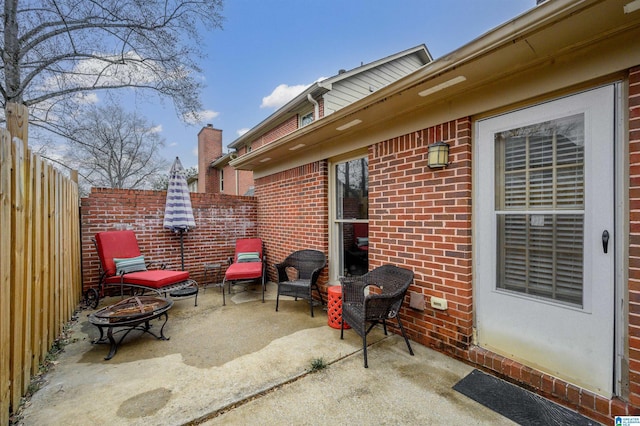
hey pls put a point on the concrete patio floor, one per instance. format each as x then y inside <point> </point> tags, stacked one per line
<point>244,363</point>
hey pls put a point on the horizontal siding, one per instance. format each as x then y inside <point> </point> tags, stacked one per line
<point>358,86</point>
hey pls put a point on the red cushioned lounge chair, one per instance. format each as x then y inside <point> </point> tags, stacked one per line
<point>248,264</point>
<point>121,263</point>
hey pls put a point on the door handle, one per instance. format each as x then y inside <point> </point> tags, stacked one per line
<point>605,240</point>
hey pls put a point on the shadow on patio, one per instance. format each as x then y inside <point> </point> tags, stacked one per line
<point>244,363</point>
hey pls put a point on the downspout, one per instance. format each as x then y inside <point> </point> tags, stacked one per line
<point>316,107</point>
<point>236,173</point>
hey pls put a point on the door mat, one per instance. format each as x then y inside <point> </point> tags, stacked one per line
<point>515,403</point>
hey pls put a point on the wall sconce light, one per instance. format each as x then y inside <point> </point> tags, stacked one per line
<point>438,156</point>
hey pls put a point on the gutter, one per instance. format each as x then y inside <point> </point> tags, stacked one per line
<point>224,159</point>
<point>319,88</point>
<point>272,120</point>
<point>542,16</point>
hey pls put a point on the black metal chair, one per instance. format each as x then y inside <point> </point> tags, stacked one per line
<point>298,275</point>
<point>388,285</point>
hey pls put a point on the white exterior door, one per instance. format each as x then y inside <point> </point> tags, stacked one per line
<point>544,237</point>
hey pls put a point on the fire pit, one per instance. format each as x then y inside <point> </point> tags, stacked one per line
<point>130,314</point>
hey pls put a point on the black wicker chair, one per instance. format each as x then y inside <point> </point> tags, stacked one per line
<point>388,285</point>
<point>298,275</point>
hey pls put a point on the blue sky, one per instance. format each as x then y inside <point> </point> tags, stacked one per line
<point>267,44</point>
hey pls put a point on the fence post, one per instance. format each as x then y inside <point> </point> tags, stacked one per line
<point>5,274</point>
<point>18,122</point>
<point>17,116</point>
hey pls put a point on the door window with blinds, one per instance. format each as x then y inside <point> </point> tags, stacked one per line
<point>539,190</point>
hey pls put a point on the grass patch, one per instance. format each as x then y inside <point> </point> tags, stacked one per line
<point>318,364</point>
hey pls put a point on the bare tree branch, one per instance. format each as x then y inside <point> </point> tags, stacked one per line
<point>54,49</point>
<point>111,147</point>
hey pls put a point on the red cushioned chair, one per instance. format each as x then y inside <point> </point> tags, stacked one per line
<point>121,263</point>
<point>248,264</point>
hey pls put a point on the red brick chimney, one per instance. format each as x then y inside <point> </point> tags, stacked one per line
<point>209,149</point>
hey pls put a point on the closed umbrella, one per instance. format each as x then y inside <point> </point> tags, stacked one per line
<point>178,214</point>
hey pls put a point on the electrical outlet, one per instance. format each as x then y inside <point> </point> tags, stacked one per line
<point>439,303</point>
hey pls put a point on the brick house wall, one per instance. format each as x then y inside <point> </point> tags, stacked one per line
<point>226,179</point>
<point>236,182</point>
<point>220,221</point>
<point>289,125</point>
<point>292,213</point>
<point>421,218</point>
<point>244,180</point>
<point>286,127</point>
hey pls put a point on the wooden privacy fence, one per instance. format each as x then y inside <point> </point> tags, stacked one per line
<point>40,279</point>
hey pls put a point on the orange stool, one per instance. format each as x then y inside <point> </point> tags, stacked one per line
<point>334,307</point>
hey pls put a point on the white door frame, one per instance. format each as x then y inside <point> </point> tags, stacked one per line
<point>621,217</point>
<point>620,226</point>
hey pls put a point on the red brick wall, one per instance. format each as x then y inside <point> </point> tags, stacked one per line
<point>286,127</point>
<point>245,181</point>
<point>236,182</point>
<point>634,236</point>
<point>289,125</point>
<point>220,220</point>
<point>421,218</point>
<point>229,184</point>
<point>293,212</point>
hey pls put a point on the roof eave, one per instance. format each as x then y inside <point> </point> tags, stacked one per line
<point>319,88</point>
<point>443,75</point>
<point>283,112</point>
<point>221,161</point>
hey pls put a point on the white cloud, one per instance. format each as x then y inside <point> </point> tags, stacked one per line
<point>156,129</point>
<point>86,98</point>
<point>201,117</point>
<point>281,95</point>
<point>95,72</point>
<point>207,114</point>
<point>242,131</point>
<point>194,151</point>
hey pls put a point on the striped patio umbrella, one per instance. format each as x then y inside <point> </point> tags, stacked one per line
<point>178,214</point>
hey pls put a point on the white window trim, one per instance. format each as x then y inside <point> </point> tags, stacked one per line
<point>302,117</point>
<point>334,245</point>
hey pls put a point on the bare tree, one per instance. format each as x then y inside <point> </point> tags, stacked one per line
<point>55,51</point>
<point>113,148</point>
<point>162,181</point>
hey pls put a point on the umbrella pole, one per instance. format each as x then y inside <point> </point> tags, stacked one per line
<point>182,248</point>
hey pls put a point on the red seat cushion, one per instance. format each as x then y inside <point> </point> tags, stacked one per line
<point>153,279</point>
<point>241,271</point>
